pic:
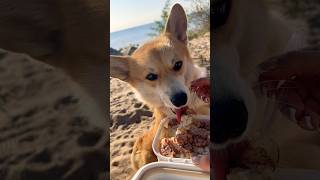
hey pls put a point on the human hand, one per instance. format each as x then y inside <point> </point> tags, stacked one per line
<point>202,162</point>
<point>294,79</point>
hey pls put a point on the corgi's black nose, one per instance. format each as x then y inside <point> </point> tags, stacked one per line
<point>230,118</point>
<point>179,99</point>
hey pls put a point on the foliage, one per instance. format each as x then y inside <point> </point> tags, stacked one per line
<point>198,18</point>
<point>159,26</point>
<point>199,15</point>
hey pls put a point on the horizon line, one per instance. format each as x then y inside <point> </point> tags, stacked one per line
<point>133,26</point>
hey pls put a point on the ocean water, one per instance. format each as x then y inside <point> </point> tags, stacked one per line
<point>135,35</point>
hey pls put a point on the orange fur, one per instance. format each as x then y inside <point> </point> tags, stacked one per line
<point>143,146</point>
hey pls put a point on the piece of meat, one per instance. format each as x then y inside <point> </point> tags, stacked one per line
<point>255,157</point>
<point>167,148</point>
<point>199,132</point>
<point>170,148</point>
<point>202,88</point>
<point>200,142</point>
<point>202,124</point>
<point>184,138</point>
<point>198,136</point>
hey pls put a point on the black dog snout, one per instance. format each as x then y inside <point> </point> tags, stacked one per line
<point>230,117</point>
<point>179,99</point>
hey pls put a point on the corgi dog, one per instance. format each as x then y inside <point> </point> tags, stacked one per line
<point>247,34</point>
<point>161,72</point>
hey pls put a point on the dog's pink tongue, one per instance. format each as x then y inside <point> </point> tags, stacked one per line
<point>178,114</point>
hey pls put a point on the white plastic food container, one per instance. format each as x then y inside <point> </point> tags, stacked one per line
<point>179,171</point>
<point>156,141</point>
<point>170,171</point>
<point>168,168</point>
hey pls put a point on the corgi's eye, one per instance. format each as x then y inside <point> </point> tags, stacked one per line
<point>177,66</point>
<point>152,77</point>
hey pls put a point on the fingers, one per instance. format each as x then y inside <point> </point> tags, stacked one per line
<point>312,105</point>
<point>314,88</point>
<point>277,74</point>
<point>292,113</point>
<point>290,99</point>
<point>311,119</point>
<point>202,88</point>
<point>307,118</point>
<point>279,88</point>
<point>290,64</point>
<point>315,121</point>
<point>300,102</point>
<point>202,161</point>
<point>204,96</point>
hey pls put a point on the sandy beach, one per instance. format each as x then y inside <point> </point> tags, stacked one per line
<point>50,128</point>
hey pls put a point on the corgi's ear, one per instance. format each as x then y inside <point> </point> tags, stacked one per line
<point>119,67</point>
<point>177,23</point>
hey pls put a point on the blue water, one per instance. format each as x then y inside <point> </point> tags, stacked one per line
<point>135,35</point>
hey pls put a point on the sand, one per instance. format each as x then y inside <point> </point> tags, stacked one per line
<point>130,117</point>
<point>49,126</point>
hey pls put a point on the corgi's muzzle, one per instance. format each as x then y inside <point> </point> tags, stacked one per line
<point>230,119</point>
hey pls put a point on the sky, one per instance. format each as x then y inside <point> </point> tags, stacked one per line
<point>129,13</point>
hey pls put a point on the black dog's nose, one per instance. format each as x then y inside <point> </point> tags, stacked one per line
<point>230,117</point>
<point>179,99</point>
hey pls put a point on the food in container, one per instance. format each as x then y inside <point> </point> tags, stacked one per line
<point>189,138</point>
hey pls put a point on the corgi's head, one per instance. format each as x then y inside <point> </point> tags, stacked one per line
<point>234,104</point>
<point>161,70</point>
<point>246,34</point>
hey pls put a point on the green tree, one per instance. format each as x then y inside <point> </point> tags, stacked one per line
<point>198,17</point>
<point>159,26</point>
